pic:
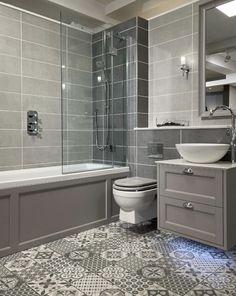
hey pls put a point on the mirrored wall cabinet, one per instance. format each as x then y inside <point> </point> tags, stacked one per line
<point>217,56</point>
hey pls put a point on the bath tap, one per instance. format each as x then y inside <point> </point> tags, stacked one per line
<point>233,130</point>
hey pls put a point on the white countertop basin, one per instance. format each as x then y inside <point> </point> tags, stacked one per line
<point>202,153</point>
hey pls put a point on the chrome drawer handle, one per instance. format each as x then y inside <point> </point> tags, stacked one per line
<point>188,171</point>
<point>188,205</point>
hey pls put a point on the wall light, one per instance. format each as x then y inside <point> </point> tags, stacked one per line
<point>184,67</point>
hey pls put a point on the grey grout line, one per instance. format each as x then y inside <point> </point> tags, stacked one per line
<point>172,22</point>
<point>21,96</point>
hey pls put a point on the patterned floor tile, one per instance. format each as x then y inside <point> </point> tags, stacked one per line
<point>206,264</point>
<point>201,290</point>
<point>190,245</point>
<point>63,246</point>
<point>153,272</point>
<point>221,282</point>
<point>111,273</point>
<point>113,255</point>
<point>156,291</point>
<point>46,285</point>
<point>79,255</point>
<point>133,283</point>
<point>9,282</point>
<point>95,263</point>
<point>40,254</point>
<point>19,264</point>
<point>132,247</point>
<point>120,259</point>
<point>132,263</point>
<point>67,291</point>
<point>177,283</point>
<point>162,247</point>
<point>111,243</point>
<point>20,290</point>
<point>92,285</point>
<point>148,255</point>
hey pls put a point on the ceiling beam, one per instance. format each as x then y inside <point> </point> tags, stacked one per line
<point>116,5</point>
<point>91,8</point>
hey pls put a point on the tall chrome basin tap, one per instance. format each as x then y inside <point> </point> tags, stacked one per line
<point>233,131</point>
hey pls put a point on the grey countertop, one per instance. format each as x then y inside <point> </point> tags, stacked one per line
<point>224,165</point>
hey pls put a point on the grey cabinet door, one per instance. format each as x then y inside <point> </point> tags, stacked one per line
<point>202,221</point>
<point>201,185</point>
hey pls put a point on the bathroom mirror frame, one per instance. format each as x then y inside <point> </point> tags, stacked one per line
<point>204,5</point>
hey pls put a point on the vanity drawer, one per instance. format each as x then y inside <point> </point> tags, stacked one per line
<point>201,221</point>
<point>194,184</point>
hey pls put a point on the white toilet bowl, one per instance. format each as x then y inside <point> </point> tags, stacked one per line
<point>136,198</point>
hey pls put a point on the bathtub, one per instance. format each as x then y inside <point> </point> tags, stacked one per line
<point>39,205</point>
<point>18,178</point>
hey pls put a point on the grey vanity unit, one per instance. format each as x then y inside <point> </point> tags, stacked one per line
<point>198,201</point>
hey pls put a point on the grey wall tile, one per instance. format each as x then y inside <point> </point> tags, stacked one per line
<point>170,17</point>
<point>40,53</point>
<point>41,87</point>
<point>79,62</point>
<point>47,138</point>
<point>10,101</point>
<point>142,70</point>
<point>147,171</point>
<point>42,23</point>
<point>142,53</point>
<point>143,23</point>
<point>80,137</point>
<point>171,31</point>
<point>142,156</point>
<point>142,104</point>
<point>79,92</point>
<point>10,46</point>
<point>80,122</point>
<point>78,34</point>
<point>171,102</point>
<point>40,70</point>
<point>10,138</point>
<point>41,104</point>
<point>80,107</point>
<point>142,120</point>
<point>10,12</point>
<point>10,83</point>
<point>125,25</point>
<point>170,153</point>
<point>47,121</point>
<point>9,27</point>
<point>205,136</point>
<point>37,35</point>
<point>167,138</point>
<point>76,46</point>
<point>79,77</point>
<point>37,156</point>
<point>170,85</point>
<point>181,46</point>
<point>142,36</point>
<point>10,157</point>
<point>143,87</point>
<point>10,65</point>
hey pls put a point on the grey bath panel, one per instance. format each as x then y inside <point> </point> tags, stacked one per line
<point>35,214</point>
<point>43,213</point>
<point>4,222</point>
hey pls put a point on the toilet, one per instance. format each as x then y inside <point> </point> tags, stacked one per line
<point>136,198</point>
